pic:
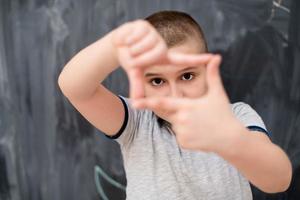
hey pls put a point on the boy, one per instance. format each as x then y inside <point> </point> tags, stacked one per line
<point>188,142</point>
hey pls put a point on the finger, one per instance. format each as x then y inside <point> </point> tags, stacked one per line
<point>141,29</point>
<point>121,33</point>
<point>125,58</point>
<point>168,104</point>
<point>136,83</point>
<point>213,76</point>
<point>154,56</point>
<point>188,59</point>
<point>156,103</point>
<point>144,45</point>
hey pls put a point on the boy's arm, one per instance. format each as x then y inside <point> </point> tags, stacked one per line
<point>263,163</point>
<point>134,45</point>
<point>80,83</point>
<point>208,124</point>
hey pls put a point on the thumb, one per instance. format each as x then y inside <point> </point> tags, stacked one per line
<point>213,77</point>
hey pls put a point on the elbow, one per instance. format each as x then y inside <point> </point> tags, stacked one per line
<point>276,189</point>
<point>60,83</point>
<point>287,178</point>
<point>64,86</point>
<point>286,182</point>
<point>281,185</point>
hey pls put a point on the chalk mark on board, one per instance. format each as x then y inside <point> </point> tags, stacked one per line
<point>99,171</point>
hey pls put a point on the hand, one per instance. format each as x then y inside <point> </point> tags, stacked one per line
<point>139,46</point>
<point>206,123</point>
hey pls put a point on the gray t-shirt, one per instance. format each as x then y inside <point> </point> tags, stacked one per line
<point>157,168</point>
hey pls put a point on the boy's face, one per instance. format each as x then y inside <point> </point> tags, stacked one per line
<point>175,81</point>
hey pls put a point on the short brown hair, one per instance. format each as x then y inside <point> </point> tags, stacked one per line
<point>177,27</point>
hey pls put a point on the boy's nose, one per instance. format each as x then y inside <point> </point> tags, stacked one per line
<point>176,91</point>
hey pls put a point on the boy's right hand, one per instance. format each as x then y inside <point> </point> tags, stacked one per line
<point>138,45</point>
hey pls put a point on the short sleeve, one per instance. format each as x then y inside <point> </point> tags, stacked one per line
<point>130,124</point>
<point>249,117</point>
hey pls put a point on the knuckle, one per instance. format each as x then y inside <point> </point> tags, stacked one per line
<point>144,45</point>
<point>121,32</point>
<point>152,38</point>
<point>134,50</point>
<point>143,23</point>
<point>158,52</point>
<point>126,27</point>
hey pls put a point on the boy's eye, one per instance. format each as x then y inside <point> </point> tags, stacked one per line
<point>156,81</point>
<point>187,76</point>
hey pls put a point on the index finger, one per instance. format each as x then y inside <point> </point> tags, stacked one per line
<point>189,59</point>
<point>136,84</point>
<point>169,104</point>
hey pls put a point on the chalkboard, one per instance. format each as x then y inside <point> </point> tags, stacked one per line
<point>49,151</point>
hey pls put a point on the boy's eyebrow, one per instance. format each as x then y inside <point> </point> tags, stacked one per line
<point>155,74</point>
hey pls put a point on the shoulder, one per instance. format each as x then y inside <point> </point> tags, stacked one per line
<point>249,117</point>
<point>135,121</point>
<point>139,114</point>
<point>243,110</point>
<point>240,106</point>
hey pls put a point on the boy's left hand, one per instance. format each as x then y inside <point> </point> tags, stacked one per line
<point>206,123</point>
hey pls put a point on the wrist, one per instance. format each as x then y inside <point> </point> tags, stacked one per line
<point>113,47</point>
<point>234,131</point>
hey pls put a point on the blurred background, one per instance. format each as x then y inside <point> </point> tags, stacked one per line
<point>48,151</point>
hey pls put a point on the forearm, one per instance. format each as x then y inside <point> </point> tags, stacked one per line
<point>263,163</point>
<point>83,74</point>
